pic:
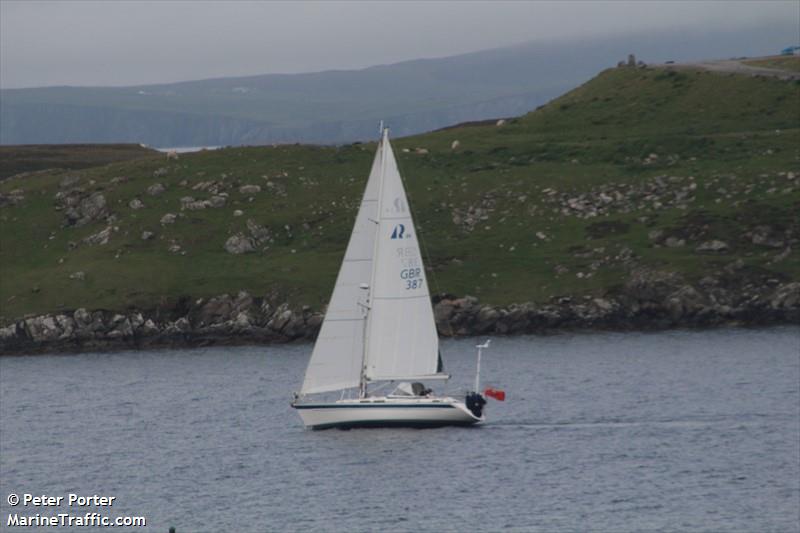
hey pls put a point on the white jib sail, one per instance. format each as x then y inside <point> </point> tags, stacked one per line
<point>339,351</point>
<point>402,342</point>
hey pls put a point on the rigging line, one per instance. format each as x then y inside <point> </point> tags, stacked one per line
<point>420,237</point>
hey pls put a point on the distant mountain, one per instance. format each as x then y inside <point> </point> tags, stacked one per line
<point>344,106</point>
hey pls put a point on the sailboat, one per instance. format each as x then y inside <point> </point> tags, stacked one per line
<point>379,329</point>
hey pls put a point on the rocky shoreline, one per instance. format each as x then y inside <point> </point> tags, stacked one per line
<point>648,300</point>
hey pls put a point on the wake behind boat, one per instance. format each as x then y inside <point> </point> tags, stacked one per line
<point>379,327</point>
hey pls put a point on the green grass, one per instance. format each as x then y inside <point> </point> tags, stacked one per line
<point>727,132</point>
<point>780,62</point>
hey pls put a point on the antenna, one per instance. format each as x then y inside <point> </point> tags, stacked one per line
<point>480,348</point>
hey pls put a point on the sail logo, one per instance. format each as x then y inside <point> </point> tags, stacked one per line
<point>398,232</point>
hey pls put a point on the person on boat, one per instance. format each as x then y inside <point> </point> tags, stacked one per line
<point>420,390</point>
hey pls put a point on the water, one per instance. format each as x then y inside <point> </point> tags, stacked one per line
<point>677,431</point>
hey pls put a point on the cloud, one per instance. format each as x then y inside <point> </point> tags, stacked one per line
<point>123,43</point>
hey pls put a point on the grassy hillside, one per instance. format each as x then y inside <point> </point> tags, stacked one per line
<point>636,167</point>
<point>34,157</point>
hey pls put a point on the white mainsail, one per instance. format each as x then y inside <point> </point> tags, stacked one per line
<point>401,333</point>
<point>383,254</point>
<point>339,351</point>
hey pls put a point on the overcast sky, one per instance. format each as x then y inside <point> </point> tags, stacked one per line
<point>136,42</point>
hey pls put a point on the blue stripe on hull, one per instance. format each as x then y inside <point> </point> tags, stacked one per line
<point>413,424</point>
<point>373,405</point>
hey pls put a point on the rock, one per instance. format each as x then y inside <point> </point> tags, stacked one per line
<point>79,275</point>
<point>421,151</point>
<point>242,321</point>
<point>163,171</point>
<point>8,333</point>
<point>98,325</point>
<point>216,310</point>
<point>136,320</point>
<point>169,218</point>
<point>762,236</point>
<point>655,235</point>
<point>603,305</point>
<point>238,213</point>
<point>485,319</point>
<point>156,189</point>
<point>174,248</point>
<point>685,301</point>
<point>239,244</point>
<point>645,284</point>
<point>786,296</point>
<point>712,246</point>
<point>181,325</point>
<point>135,204</point>
<point>82,317</point>
<point>280,318</point>
<point>250,189</point>
<point>313,323</point>
<point>500,122</point>
<point>259,233</point>
<point>42,329</point>
<point>674,242</point>
<point>147,235</point>
<point>217,201</point>
<point>94,206</point>
<point>243,301</point>
<point>100,238</point>
<point>122,328</point>
<point>149,328</point>
<point>81,211</point>
<point>66,325</point>
<point>455,145</point>
<point>295,326</point>
<point>185,200</point>
<point>443,315</point>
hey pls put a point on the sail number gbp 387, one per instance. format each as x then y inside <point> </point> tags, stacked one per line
<point>412,277</point>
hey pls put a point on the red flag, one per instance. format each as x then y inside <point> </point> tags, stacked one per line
<point>497,394</point>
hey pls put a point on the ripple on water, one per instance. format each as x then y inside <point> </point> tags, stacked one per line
<point>601,432</point>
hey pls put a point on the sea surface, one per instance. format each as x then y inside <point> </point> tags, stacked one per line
<point>608,432</point>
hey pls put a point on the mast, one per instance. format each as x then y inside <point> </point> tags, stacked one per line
<point>362,387</point>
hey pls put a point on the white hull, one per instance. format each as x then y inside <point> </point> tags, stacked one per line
<point>387,412</point>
